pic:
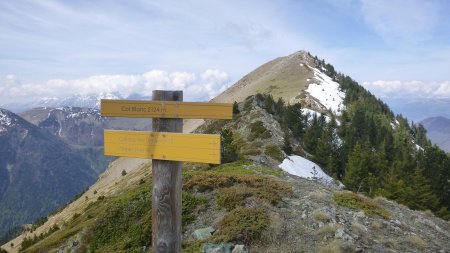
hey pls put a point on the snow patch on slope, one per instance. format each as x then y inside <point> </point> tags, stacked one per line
<point>419,148</point>
<point>302,167</point>
<point>5,120</point>
<point>327,92</point>
<point>310,114</point>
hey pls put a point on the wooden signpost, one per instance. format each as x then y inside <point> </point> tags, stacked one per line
<point>168,148</point>
<point>165,109</point>
<point>201,148</point>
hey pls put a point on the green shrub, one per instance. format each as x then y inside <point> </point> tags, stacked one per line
<point>125,224</point>
<point>235,108</point>
<point>250,150</point>
<point>274,152</point>
<point>233,197</point>
<point>206,181</point>
<point>242,225</point>
<point>75,216</point>
<point>30,241</point>
<point>355,201</point>
<point>214,126</point>
<point>230,198</point>
<point>192,246</point>
<point>229,148</point>
<point>190,203</point>
<point>257,130</point>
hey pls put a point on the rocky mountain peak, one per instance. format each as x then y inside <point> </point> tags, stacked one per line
<point>301,56</point>
<point>7,120</point>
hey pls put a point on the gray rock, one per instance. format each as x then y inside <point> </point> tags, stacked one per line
<point>218,248</point>
<point>240,249</point>
<point>360,214</point>
<point>203,233</point>
<point>342,234</point>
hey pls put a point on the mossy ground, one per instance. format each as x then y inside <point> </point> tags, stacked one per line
<point>242,225</point>
<point>123,223</point>
<point>356,201</point>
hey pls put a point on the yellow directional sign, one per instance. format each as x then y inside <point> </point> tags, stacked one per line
<point>204,148</point>
<point>165,109</point>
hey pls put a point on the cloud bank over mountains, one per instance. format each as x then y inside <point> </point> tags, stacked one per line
<point>411,89</point>
<point>196,87</point>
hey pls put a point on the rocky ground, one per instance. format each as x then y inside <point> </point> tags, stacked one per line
<point>312,221</point>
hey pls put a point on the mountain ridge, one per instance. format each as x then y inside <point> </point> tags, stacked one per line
<point>33,161</point>
<point>310,219</point>
<point>90,100</point>
<point>367,146</point>
<point>438,130</point>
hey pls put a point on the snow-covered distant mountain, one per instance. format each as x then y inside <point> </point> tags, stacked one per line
<point>38,172</point>
<point>77,100</point>
<point>87,101</point>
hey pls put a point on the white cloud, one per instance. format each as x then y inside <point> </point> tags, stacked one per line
<point>411,89</point>
<point>196,87</point>
<point>443,90</point>
<point>401,21</point>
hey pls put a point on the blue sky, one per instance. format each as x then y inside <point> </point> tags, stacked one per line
<point>54,48</point>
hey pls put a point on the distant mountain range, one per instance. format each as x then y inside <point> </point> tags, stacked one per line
<point>420,109</point>
<point>80,126</point>
<point>85,101</point>
<point>38,148</point>
<point>38,172</point>
<point>438,130</point>
<point>82,129</point>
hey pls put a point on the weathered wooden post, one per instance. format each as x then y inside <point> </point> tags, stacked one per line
<point>166,193</point>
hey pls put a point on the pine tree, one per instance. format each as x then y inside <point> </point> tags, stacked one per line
<point>287,148</point>
<point>235,108</point>
<point>294,120</point>
<point>269,104</point>
<point>279,107</point>
<point>422,197</point>
<point>395,188</point>
<point>436,168</point>
<point>312,133</point>
<point>229,148</point>
<point>357,172</point>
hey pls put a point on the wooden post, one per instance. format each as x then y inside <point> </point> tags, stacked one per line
<point>166,192</point>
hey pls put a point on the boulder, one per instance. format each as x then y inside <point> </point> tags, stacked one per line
<point>203,233</point>
<point>218,248</point>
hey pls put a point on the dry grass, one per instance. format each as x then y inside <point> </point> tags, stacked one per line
<point>322,216</point>
<point>428,213</point>
<point>328,229</point>
<point>333,247</point>
<point>377,224</point>
<point>416,242</point>
<point>359,229</point>
<point>206,181</point>
<point>289,80</point>
<point>319,196</point>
